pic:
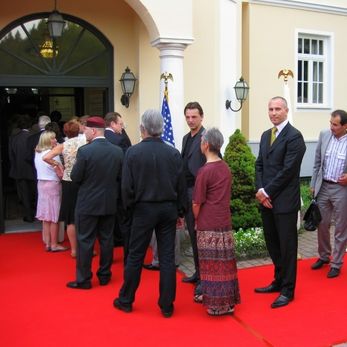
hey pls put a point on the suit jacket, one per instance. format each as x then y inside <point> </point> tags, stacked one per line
<point>195,158</point>
<point>121,140</point>
<point>317,175</point>
<point>20,167</point>
<point>278,168</point>
<point>97,171</point>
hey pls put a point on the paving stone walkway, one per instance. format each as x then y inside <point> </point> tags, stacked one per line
<point>307,249</point>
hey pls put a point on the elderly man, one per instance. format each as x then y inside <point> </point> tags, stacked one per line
<point>329,186</point>
<point>153,188</point>
<point>97,172</point>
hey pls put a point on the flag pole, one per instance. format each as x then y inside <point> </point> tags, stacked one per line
<point>167,135</point>
<point>286,92</point>
<point>166,76</point>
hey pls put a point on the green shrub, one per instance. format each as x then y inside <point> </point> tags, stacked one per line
<point>306,194</point>
<point>244,208</point>
<point>250,243</point>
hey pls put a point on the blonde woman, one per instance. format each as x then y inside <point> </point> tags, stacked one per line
<point>49,192</point>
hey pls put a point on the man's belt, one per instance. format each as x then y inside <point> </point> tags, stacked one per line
<point>330,182</point>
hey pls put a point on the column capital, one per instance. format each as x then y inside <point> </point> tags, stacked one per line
<point>163,43</point>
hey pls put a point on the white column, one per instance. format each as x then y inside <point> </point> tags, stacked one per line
<point>230,65</point>
<point>171,61</point>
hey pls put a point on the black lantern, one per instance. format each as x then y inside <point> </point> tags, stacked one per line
<point>127,81</point>
<point>241,92</point>
<point>55,23</point>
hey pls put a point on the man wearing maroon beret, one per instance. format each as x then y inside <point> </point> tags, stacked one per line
<point>97,171</point>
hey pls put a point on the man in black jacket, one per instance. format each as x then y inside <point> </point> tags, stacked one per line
<point>22,170</point>
<point>193,160</point>
<point>153,188</point>
<point>278,191</point>
<point>97,172</point>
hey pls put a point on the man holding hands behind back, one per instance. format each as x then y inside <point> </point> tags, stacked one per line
<point>97,171</point>
<point>278,191</point>
<point>153,188</point>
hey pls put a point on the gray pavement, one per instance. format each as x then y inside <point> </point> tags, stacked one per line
<point>307,249</point>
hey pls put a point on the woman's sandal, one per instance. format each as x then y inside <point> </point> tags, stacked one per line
<point>216,312</point>
<point>198,298</point>
<point>59,248</point>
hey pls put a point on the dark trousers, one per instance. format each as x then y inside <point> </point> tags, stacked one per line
<point>123,220</point>
<point>190,221</point>
<point>27,194</point>
<point>281,238</point>
<point>162,218</point>
<point>88,229</point>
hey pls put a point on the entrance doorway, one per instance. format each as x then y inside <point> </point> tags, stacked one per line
<point>72,74</point>
<point>33,101</point>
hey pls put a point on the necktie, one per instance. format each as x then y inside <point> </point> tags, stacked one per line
<point>273,135</point>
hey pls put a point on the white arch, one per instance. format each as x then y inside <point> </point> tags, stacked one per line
<point>165,20</point>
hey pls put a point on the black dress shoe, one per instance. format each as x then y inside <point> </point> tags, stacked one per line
<point>104,281</point>
<point>123,307</point>
<point>167,312</point>
<point>76,285</point>
<point>272,288</point>
<point>333,272</point>
<point>281,301</point>
<point>151,267</point>
<point>191,279</point>
<point>319,263</point>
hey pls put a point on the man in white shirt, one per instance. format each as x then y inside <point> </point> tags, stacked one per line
<point>329,186</point>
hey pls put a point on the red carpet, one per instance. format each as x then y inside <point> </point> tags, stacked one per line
<point>38,310</point>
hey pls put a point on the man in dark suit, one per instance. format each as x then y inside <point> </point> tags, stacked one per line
<point>33,139</point>
<point>193,160</point>
<point>116,134</point>
<point>115,131</point>
<point>278,191</point>
<point>97,172</point>
<point>153,188</point>
<point>21,170</point>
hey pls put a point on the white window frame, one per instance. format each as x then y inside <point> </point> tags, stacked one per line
<point>326,59</point>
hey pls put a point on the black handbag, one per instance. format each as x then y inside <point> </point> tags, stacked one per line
<point>312,217</point>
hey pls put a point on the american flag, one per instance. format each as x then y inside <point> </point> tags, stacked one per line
<point>167,135</point>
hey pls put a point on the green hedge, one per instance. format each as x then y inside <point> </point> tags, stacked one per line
<point>244,208</point>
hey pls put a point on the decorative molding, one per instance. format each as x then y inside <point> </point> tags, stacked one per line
<point>303,5</point>
<point>172,40</point>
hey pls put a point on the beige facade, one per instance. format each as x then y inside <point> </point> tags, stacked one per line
<point>270,44</point>
<point>207,45</point>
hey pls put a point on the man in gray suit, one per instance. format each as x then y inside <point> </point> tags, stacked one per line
<point>329,186</point>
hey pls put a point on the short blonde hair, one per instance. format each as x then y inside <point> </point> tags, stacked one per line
<point>45,141</point>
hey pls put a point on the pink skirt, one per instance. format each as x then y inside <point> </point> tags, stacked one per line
<point>48,200</point>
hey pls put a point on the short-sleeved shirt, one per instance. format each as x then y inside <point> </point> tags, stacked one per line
<point>212,191</point>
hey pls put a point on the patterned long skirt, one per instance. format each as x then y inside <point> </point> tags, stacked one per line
<point>218,270</point>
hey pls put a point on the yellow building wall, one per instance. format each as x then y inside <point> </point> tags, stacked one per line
<point>200,62</point>
<point>271,45</point>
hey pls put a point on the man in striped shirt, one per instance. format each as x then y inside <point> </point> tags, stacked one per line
<point>329,186</point>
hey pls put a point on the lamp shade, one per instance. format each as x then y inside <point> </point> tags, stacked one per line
<point>128,81</point>
<point>55,24</point>
<point>241,90</point>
